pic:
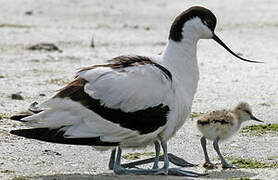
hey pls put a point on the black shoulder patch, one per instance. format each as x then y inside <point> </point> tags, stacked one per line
<point>129,61</point>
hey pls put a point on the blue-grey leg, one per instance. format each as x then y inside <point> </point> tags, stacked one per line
<point>207,164</point>
<point>176,171</point>
<point>137,163</point>
<point>223,161</point>
<point>171,157</point>
<point>179,161</point>
<point>112,159</point>
<point>157,152</point>
<point>164,170</point>
<point>165,155</point>
<point>145,161</point>
<point>123,171</point>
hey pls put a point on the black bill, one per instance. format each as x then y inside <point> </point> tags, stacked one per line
<point>255,119</point>
<point>217,39</point>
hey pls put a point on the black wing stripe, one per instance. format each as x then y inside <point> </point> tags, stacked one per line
<point>57,136</point>
<point>144,121</point>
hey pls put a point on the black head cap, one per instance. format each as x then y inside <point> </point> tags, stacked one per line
<point>205,15</point>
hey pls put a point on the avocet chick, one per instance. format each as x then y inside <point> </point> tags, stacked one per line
<point>220,125</point>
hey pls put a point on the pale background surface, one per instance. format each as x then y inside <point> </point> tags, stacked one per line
<point>119,27</point>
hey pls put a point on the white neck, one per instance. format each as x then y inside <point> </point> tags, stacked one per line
<point>181,60</point>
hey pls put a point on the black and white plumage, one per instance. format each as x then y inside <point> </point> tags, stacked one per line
<point>106,103</point>
<point>132,101</point>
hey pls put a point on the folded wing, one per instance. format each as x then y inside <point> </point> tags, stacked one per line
<point>111,102</point>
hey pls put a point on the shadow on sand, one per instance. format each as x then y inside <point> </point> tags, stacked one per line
<point>105,176</point>
<point>235,173</point>
<point>110,176</point>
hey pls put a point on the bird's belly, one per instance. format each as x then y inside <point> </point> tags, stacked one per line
<point>142,140</point>
<point>221,131</point>
<point>175,121</point>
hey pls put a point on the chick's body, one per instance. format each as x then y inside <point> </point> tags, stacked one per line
<point>220,123</point>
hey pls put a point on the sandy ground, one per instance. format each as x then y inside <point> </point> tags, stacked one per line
<point>133,27</point>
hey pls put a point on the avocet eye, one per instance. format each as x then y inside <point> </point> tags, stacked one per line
<point>206,23</point>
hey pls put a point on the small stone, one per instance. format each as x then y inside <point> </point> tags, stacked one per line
<point>41,94</point>
<point>45,47</point>
<point>147,28</point>
<point>265,104</point>
<point>35,60</point>
<point>92,42</point>
<point>50,152</point>
<point>135,27</point>
<point>16,96</point>
<point>29,13</point>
